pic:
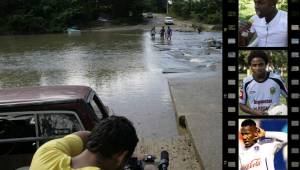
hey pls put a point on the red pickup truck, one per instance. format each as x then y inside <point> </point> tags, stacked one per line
<point>30,116</point>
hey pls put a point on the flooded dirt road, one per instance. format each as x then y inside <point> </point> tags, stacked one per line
<point>124,67</point>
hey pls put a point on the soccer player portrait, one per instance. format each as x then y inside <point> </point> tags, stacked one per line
<point>258,147</point>
<point>267,28</point>
<point>261,90</point>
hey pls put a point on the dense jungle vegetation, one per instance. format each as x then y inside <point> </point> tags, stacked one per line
<point>50,16</point>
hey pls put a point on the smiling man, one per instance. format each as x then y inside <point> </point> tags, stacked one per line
<point>269,24</point>
<point>259,154</point>
<point>262,89</point>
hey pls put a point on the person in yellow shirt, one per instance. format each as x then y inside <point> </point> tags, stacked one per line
<point>107,147</point>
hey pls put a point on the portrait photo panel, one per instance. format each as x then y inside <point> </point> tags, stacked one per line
<point>263,23</point>
<point>263,143</point>
<point>263,82</point>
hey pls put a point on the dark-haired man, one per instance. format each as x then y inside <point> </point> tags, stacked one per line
<point>262,89</point>
<point>107,147</point>
<point>269,24</point>
<point>259,154</point>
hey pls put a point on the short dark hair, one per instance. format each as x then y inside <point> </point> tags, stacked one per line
<point>113,135</point>
<point>257,54</point>
<point>248,122</point>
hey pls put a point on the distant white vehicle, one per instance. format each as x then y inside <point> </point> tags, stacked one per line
<point>101,19</point>
<point>169,21</point>
<point>149,15</point>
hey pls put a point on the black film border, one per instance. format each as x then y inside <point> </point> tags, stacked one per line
<point>230,84</point>
<point>293,85</point>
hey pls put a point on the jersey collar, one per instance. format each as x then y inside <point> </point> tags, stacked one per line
<point>267,77</point>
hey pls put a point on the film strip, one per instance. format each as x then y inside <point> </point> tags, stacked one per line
<point>294,87</point>
<point>231,85</point>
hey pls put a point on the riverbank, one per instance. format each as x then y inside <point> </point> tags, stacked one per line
<point>198,104</point>
<point>124,70</point>
<point>180,25</point>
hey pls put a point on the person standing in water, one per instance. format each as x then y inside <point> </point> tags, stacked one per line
<point>153,32</point>
<point>169,33</point>
<point>162,32</point>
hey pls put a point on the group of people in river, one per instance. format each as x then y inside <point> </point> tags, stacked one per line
<point>164,34</point>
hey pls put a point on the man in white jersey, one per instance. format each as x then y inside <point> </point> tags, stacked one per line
<point>269,24</point>
<point>262,89</point>
<point>259,154</point>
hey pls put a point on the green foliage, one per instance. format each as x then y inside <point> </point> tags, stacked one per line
<point>26,24</point>
<point>282,5</point>
<point>150,5</point>
<point>41,16</point>
<point>214,18</point>
<point>207,11</point>
<point>276,57</point>
<point>246,8</point>
<point>182,9</point>
<point>278,60</point>
<point>242,60</point>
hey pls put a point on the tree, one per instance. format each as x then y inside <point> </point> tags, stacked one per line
<point>207,11</point>
<point>41,16</point>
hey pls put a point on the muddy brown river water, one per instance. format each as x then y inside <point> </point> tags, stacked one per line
<point>124,67</point>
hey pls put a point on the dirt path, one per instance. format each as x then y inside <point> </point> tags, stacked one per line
<point>181,152</point>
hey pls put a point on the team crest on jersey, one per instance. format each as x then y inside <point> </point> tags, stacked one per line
<point>272,90</point>
<point>256,148</point>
